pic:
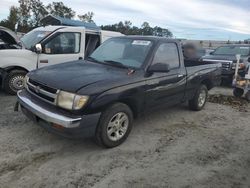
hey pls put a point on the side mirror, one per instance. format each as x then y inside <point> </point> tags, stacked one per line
<point>158,67</point>
<point>211,53</point>
<point>38,48</point>
<point>248,59</point>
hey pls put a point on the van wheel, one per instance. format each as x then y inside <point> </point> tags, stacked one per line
<point>114,126</point>
<point>238,92</point>
<point>14,81</point>
<point>200,98</point>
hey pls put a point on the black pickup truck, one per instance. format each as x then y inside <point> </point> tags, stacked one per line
<point>125,77</point>
<point>226,55</point>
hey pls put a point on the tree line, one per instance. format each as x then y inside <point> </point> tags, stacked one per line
<point>29,13</point>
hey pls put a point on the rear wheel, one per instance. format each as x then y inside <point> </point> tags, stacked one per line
<point>114,126</point>
<point>14,81</point>
<point>200,98</point>
<point>238,92</point>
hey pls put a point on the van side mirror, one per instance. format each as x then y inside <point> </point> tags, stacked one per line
<point>158,67</point>
<point>248,59</point>
<point>38,48</point>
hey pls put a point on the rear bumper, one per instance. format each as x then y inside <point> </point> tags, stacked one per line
<point>56,121</point>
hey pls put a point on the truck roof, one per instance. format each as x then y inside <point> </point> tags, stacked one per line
<point>54,27</point>
<point>152,38</point>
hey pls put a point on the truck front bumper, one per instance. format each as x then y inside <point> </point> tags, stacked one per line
<point>56,121</point>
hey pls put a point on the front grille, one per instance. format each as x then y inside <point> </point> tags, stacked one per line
<point>226,66</point>
<point>42,91</point>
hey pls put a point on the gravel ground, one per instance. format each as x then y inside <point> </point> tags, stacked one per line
<point>170,148</point>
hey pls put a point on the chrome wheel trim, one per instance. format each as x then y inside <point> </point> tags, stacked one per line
<point>202,98</point>
<point>117,126</point>
<point>17,82</point>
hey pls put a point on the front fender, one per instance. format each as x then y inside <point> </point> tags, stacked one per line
<point>133,95</point>
<point>18,58</point>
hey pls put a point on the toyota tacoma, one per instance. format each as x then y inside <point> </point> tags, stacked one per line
<point>123,78</point>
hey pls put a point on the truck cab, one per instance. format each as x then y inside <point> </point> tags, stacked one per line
<point>57,44</point>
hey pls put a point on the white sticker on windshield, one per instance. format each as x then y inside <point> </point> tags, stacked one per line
<point>246,48</point>
<point>141,42</point>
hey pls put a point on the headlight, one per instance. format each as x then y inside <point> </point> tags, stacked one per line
<point>25,81</point>
<point>241,66</point>
<point>71,101</point>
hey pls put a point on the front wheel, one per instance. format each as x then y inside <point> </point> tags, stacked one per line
<point>200,98</point>
<point>14,81</point>
<point>238,92</point>
<point>114,126</point>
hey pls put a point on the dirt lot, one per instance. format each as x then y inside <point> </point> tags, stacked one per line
<point>170,148</point>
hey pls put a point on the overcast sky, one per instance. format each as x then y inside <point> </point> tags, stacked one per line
<point>192,19</point>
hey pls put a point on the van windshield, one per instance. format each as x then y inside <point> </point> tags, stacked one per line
<point>125,52</point>
<point>33,37</point>
<point>232,50</point>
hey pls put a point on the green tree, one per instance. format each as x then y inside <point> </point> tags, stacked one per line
<point>24,14</point>
<point>128,29</point>
<point>146,29</point>
<point>59,9</point>
<point>88,17</point>
<point>38,12</point>
<point>12,19</point>
<point>162,32</point>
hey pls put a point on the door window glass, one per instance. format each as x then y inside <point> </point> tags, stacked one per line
<point>167,53</point>
<point>64,43</point>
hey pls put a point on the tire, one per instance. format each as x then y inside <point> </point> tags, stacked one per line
<point>110,133</point>
<point>238,92</point>
<point>248,96</point>
<point>14,81</point>
<point>200,98</point>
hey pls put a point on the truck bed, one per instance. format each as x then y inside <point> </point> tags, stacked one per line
<point>192,63</point>
<point>197,71</point>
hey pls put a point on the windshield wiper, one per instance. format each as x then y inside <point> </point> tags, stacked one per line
<point>92,59</point>
<point>116,63</point>
<point>108,62</point>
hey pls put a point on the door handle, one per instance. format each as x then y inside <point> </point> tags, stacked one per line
<point>180,76</point>
<point>80,58</point>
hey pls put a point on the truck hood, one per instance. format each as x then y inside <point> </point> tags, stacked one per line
<point>78,75</point>
<point>8,36</point>
<point>220,57</point>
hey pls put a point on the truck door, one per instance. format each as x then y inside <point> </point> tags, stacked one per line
<point>61,47</point>
<point>166,88</point>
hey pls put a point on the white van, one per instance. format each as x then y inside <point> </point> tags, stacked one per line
<point>45,46</point>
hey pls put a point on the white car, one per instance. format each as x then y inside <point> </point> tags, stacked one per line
<point>45,46</point>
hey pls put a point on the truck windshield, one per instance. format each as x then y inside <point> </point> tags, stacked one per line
<point>125,52</point>
<point>34,37</point>
<point>232,50</point>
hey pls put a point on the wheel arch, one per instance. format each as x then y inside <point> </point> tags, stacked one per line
<point>11,68</point>
<point>208,83</point>
<point>131,103</point>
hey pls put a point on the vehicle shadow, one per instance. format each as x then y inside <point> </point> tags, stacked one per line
<point>226,83</point>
